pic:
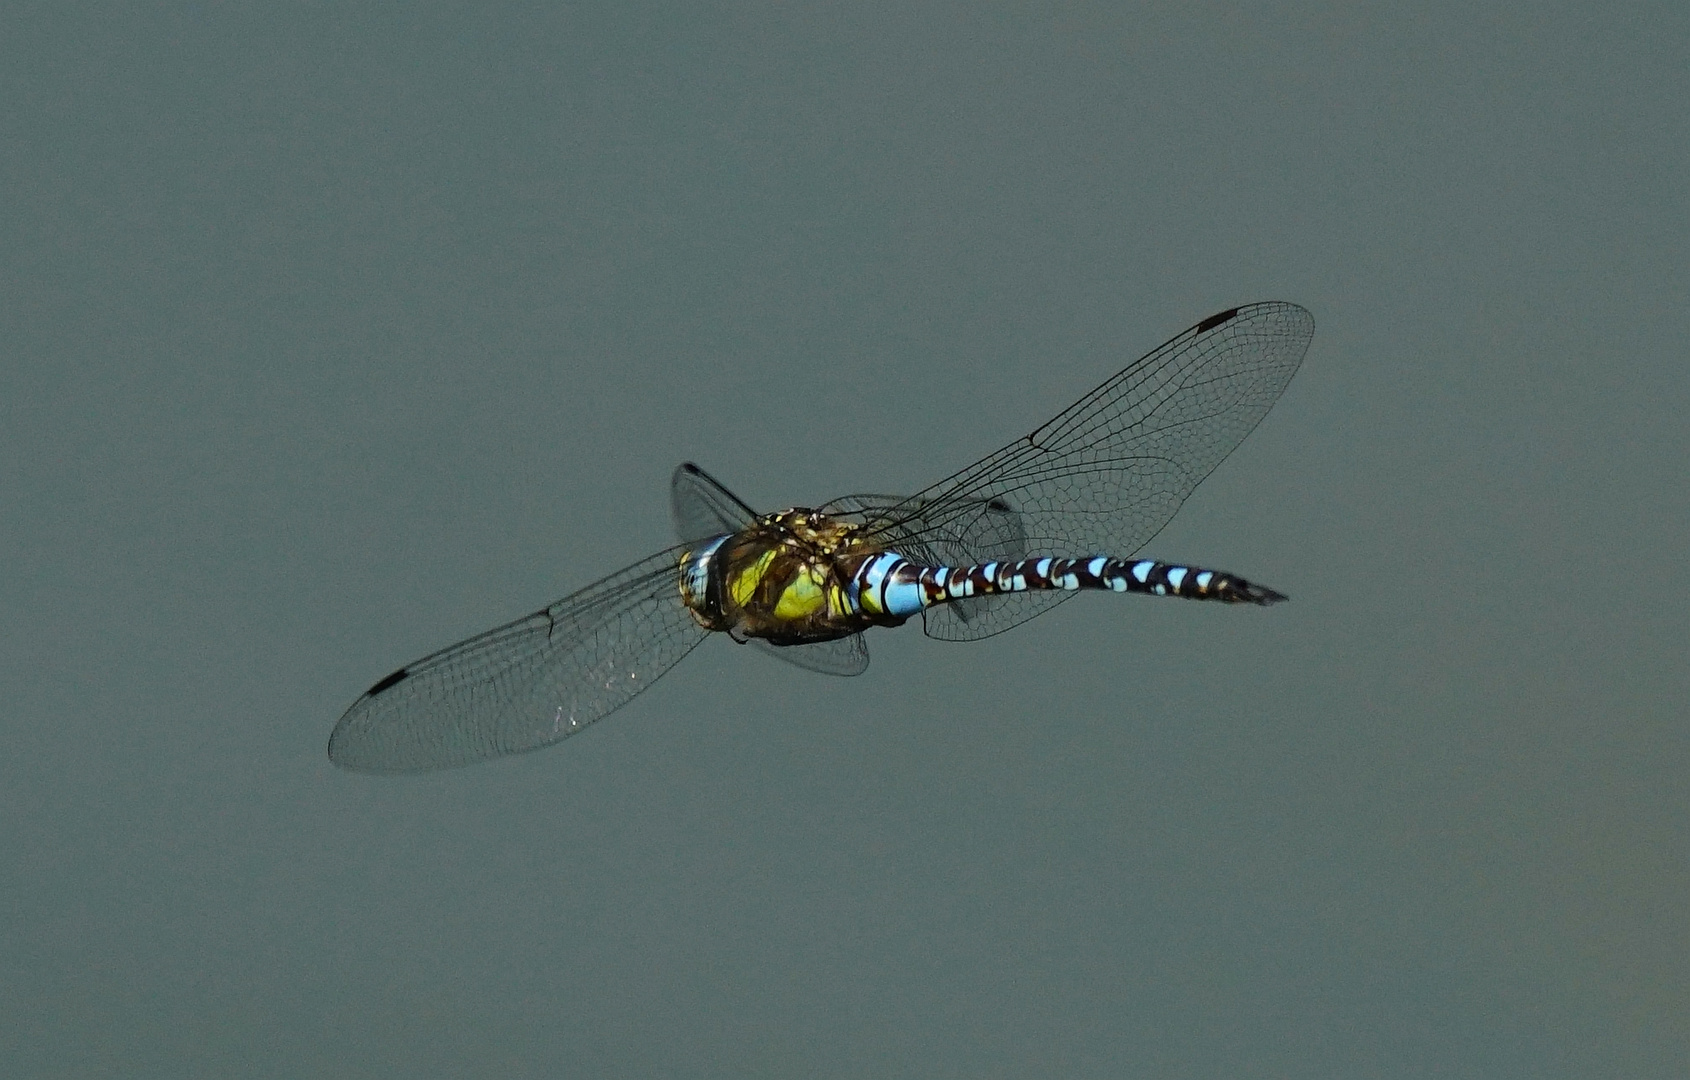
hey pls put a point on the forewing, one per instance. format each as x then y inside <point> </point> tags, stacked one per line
<point>703,507</point>
<point>841,656</point>
<point>1109,472</point>
<point>526,684</point>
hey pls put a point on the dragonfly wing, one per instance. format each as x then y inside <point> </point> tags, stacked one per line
<point>1109,472</point>
<point>526,684</point>
<point>981,617</point>
<point>703,507</point>
<point>841,656</point>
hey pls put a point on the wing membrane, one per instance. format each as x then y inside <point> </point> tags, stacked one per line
<point>1108,473</point>
<point>526,684</point>
<point>703,507</point>
<point>841,656</point>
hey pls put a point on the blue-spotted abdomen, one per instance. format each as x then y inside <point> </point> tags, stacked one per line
<point>890,585</point>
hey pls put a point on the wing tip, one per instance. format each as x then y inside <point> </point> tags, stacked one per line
<point>1283,308</point>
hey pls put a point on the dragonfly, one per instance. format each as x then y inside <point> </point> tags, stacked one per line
<point>1060,511</point>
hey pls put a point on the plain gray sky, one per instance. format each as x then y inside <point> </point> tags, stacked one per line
<point>335,333</point>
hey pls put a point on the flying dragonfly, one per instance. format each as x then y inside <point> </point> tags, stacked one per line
<point>1063,510</point>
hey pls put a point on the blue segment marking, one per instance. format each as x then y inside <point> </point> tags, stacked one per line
<point>1177,575</point>
<point>872,578</point>
<point>902,596</point>
<point>877,568</point>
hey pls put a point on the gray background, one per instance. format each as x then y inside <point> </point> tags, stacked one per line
<point>332,334</point>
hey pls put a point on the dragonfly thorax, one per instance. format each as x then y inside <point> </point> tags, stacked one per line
<point>785,578</point>
<point>812,531</point>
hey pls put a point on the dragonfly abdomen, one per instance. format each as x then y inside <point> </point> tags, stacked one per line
<point>891,585</point>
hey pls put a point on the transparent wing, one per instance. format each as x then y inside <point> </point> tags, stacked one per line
<point>703,507</point>
<point>526,684</point>
<point>1109,472</point>
<point>841,656</point>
